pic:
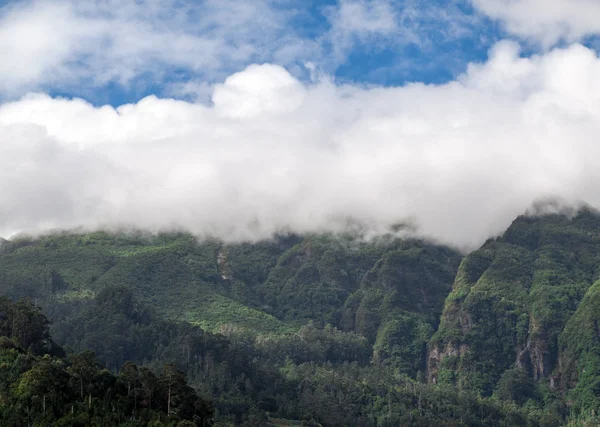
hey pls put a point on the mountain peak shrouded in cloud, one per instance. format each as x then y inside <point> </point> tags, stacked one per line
<point>269,149</point>
<point>458,160</point>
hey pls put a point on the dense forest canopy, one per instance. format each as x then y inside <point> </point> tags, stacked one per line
<point>40,386</point>
<point>328,330</point>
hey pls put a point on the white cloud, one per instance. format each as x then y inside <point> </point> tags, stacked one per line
<point>545,21</point>
<point>358,21</point>
<point>74,46</point>
<point>364,17</point>
<point>249,94</point>
<point>45,43</point>
<point>461,160</point>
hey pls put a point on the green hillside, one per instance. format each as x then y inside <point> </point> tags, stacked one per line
<point>172,273</point>
<point>382,327</point>
<point>518,303</point>
<point>390,291</point>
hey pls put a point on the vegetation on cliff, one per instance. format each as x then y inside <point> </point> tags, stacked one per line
<point>334,330</point>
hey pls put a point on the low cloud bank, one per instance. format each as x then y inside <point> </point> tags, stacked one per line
<point>458,161</point>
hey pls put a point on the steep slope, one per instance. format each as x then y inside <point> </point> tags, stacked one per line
<point>240,382</point>
<point>171,273</point>
<point>516,319</point>
<point>579,355</point>
<point>389,290</point>
<point>512,298</point>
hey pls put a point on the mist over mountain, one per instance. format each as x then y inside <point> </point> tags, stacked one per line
<point>513,322</point>
<point>458,161</point>
<point>370,213</point>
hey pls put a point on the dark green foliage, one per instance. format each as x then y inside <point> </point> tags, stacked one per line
<point>580,355</point>
<point>27,326</point>
<point>170,273</point>
<point>312,344</point>
<point>44,389</point>
<point>315,374</point>
<point>328,330</point>
<point>512,298</point>
<point>515,385</point>
<point>271,287</point>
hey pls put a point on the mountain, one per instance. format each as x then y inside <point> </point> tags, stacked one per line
<point>395,331</point>
<point>523,300</point>
<point>391,291</point>
<point>40,386</point>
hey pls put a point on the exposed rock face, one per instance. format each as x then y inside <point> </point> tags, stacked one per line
<point>222,263</point>
<point>511,300</point>
<point>436,356</point>
<point>540,356</point>
<point>535,357</point>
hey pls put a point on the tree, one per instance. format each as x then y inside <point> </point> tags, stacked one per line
<point>30,327</point>
<point>516,385</point>
<point>84,368</point>
<point>45,386</point>
<point>181,400</point>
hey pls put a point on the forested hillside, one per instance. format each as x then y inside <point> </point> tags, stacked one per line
<point>523,308</point>
<point>40,386</point>
<point>335,330</point>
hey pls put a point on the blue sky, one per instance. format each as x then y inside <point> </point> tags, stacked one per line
<point>432,54</point>
<point>402,41</point>
<point>118,52</point>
